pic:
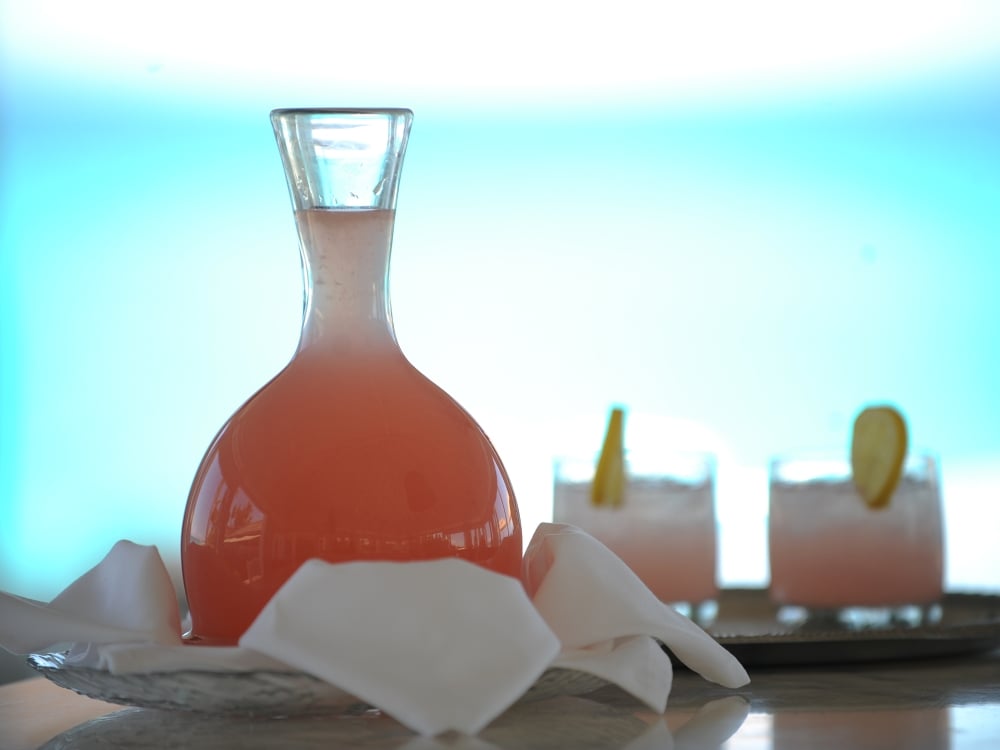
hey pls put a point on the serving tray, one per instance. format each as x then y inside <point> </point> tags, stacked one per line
<point>259,693</point>
<point>746,622</point>
<point>760,633</point>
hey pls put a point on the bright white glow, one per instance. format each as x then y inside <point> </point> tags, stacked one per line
<point>519,46</point>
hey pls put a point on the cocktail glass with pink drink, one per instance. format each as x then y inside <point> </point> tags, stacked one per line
<point>830,552</point>
<point>665,527</point>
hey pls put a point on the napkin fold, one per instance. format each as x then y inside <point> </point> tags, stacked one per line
<point>127,598</point>
<point>588,596</point>
<point>439,645</point>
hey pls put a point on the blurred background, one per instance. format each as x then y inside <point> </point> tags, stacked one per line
<point>742,223</point>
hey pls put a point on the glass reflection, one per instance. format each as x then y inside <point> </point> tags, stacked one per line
<point>915,728</point>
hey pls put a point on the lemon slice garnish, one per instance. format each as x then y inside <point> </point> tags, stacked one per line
<point>608,487</point>
<point>878,449</point>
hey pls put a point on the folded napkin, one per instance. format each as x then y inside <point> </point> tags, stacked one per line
<point>438,645</point>
<point>127,598</point>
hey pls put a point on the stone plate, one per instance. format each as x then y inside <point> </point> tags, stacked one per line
<point>260,693</point>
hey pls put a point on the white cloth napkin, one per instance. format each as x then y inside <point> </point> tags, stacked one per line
<point>127,598</point>
<point>438,645</point>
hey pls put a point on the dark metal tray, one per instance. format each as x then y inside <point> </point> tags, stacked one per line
<point>756,631</point>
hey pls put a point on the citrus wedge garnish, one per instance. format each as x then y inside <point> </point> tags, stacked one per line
<point>878,450</point>
<point>608,487</point>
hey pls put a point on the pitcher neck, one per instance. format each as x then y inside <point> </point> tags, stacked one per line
<point>345,263</point>
<point>342,168</point>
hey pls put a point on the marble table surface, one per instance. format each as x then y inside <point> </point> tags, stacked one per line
<point>948,703</point>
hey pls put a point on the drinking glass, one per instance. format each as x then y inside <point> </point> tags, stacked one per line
<point>830,552</point>
<point>665,527</point>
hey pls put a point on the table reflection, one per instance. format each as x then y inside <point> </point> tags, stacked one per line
<point>960,727</point>
<point>543,725</point>
<point>939,704</point>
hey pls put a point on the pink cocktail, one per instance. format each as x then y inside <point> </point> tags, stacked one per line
<point>665,529</point>
<point>829,550</point>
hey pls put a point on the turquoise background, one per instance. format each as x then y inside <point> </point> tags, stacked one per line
<point>746,272</point>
